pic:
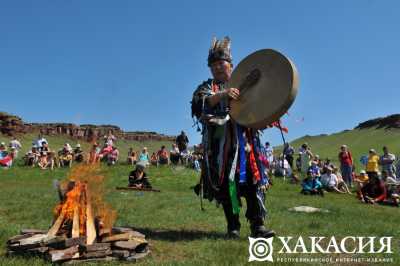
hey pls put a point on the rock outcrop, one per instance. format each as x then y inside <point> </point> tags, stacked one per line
<point>14,125</point>
<point>388,122</point>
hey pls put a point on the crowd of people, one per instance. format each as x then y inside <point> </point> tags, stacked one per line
<point>378,182</point>
<point>41,155</point>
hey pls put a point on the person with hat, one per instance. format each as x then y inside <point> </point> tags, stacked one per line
<point>227,147</point>
<point>372,167</point>
<point>138,177</point>
<point>78,153</point>
<point>311,185</point>
<point>346,164</point>
<point>330,181</point>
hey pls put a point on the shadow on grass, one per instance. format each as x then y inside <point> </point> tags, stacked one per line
<point>178,235</point>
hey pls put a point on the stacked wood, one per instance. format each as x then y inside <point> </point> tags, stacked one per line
<point>123,243</point>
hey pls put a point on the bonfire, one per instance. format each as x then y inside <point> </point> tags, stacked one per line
<point>82,228</point>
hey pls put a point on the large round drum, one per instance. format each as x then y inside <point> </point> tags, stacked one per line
<point>268,83</point>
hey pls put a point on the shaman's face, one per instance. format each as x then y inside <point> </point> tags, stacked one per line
<point>221,70</point>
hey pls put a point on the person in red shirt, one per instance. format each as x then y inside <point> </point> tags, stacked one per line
<point>346,165</point>
<point>162,155</point>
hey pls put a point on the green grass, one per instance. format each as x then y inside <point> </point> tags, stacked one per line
<point>178,232</point>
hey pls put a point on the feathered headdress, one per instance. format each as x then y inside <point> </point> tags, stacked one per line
<point>220,50</point>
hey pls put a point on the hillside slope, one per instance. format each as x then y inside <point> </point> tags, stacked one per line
<point>359,142</point>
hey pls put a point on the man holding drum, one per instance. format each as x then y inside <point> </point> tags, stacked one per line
<point>231,168</point>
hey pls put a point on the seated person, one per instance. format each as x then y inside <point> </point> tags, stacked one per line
<point>330,181</point>
<point>311,185</point>
<point>162,155</point>
<point>65,156</point>
<point>46,160</point>
<point>3,150</point>
<point>360,181</point>
<point>113,156</point>
<point>7,158</point>
<point>107,149</point>
<point>138,177</point>
<point>132,158</point>
<point>153,159</point>
<point>342,186</point>
<point>314,168</point>
<point>174,154</point>
<point>78,153</point>
<point>32,157</point>
<point>144,157</point>
<point>94,154</point>
<point>374,191</point>
<point>45,147</point>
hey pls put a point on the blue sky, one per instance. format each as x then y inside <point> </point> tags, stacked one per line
<point>135,64</point>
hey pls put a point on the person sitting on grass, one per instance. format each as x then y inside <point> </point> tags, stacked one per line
<point>360,181</point>
<point>94,154</point>
<point>153,159</point>
<point>374,191</point>
<point>132,158</point>
<point>311,185</point>
<point>78,153</point>
<point>330,181</point>
<point>65,156</point>
<point>144,157</point>
<point>392,188</point>
<point>314,168</point>
<point>7,159</point>
<point>3,150</point>
<point>112,157</point>
<point>162,156</point>
<point>174,154</point>
<point>32,157</point>
<point>342,186</point>
<point>138,177</point>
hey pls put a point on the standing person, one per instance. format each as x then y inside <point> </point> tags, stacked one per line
<point>39,142</point>
<point>346,164</point>
<point>228,146</point>
<point>387,162</point>
<point>288,152</point>
<point>372,166</point>
<point>305,157</point>
<point>182,141</point>
<point>269,152</point>
<point>109,139</point>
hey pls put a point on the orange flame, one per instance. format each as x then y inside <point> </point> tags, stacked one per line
<point>86,178</point>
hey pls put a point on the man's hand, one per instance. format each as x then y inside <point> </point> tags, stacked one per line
<point>264,188</point>
<point>233,93</point>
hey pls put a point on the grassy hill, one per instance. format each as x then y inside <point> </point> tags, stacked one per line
<point>359,142</point>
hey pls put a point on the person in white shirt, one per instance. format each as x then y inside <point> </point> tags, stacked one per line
<point>39,142</point>
<point>330,181</point>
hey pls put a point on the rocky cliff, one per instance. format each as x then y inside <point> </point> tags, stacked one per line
<point>14,125</point>
<point>388,122</point>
